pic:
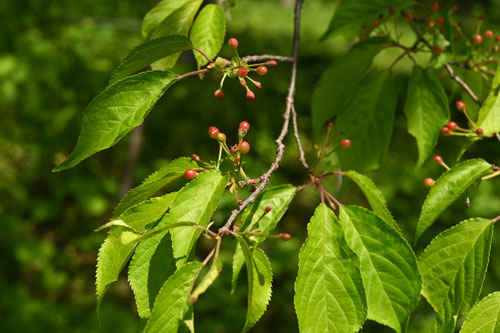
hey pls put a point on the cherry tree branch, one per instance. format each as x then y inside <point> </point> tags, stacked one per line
<point>302,156</point>
<point>462,84</point>
<point>266,57</point>
<point>284,129</point>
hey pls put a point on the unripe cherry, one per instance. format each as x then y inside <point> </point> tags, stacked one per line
<point>262,70</point>
<point>455,37</point>
<point>242,72</point>
<point>213,132</point>
<point>409,17</point>
<point>479,131</point>
<point>272,63</point>
<point>438,49</point>
<point>495,48</point>
<point>435,6</point>
<point>345,143</point>
<point>429,182</point>
<point>478,39</point>
<point>438,159</point>
<point>244,147</point>
<point>452,125</point>
<point>460,105</point>
<point>488,34</point>
<point>285,236</point>
<point>439,21</point>
<point>446,131</point>
<point>233,43</point>
<point>190,174</point>
<point>257,84</point>
<point>221,137</point>
<point>245,125</point>
<point>219,94</point>
<point>250,95</point>
<point>195,157</point>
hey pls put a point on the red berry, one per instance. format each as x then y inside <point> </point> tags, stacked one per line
<point>479,131</point>
<point>219,94</point>
<point>488,34</point>
<point>345,143</point>
<point>233,43</point>
<point>257,84</point>
<point>460,105</point>
<point>221,137</point>
<point>497,39</point>
<point>250,95</point>
<point>195,157</point>
<point>429,182</point>
<point>435,6</point>
<point>268,209</point>
<point>272,63</point>
<point>262,70</point>
<point>478,39</point>
<point>213,132</point>
<point>454,8</point>
<point>375,23</point>
<point>430,24</point>
<point>452,125</point>
<point>240,202</point>
<point>439,21</point>
<point>285,236</point>
<point>392,10</point>
<point>446,131</point>
<point>243,83</point>
<point>190,174</point>
<point>438,159</point>
<point>242,72</point>
<point>455,37</point>
<point>409,17</point>
<point>438,49</point>
<point>244,125</point>
<point>244,147</point>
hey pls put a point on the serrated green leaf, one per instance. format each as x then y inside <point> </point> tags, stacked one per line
<point>350,15</point>
<point>453,267</point>
<point>447,189</point>
<point>159,13</point>
<point>340,81</point>
<point>278,198</point>
<point>485,317</point>
<point>116,111</point>
<point>426,109</point>
<point>368,122</point>
<point>388,266</point>
<point>173,300</point>
<point>149,52</point>
<point>212,275</point>
<point>177,22</point>
<point>260,278</point>
<point>155,182</point>
<point>329,293</point>
<point>489,114</point>
<point>374,196</point>
<point>113,255</point>
<point>208,32</point>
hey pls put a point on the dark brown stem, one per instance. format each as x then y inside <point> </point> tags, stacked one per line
<point>203,54</point>
<point>302,156</point>
<point>284,129</point>
<point>201,71</point>
<point>462,84</point>
<point>266,57</point>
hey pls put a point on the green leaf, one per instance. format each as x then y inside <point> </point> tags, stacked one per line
<point>212,275</point>
<point>168,173</point>
<point>149,52</point>
<point>426,110</point>
<point>388,267</point>
<point>374,196</point>
<point>208,32</point>
<point>113,255</point>
<point>173,300</point>
<point>260,278</point>
<point>453,267</point>
<point>489,114</point>
<point>177,23</point>
<point>329,294</point>
<point>447,189</point>
<point>368,122</point>
<point>278,198</point>
<point>350,15</point>
<point>339,82</point>
<point>485,317</point>
<point>159,13</point>
<point>116,111</point>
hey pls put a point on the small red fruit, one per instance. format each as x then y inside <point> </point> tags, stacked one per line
<point>242,72</point>
<point>446,131</point>
<point>452,125</point>
<point>233,43</point>
<point>497,39</point>
<point>190,174</point>
<point>438,49</point>
<point>268,209</point>
<point>221,137</point>
<point>435,6</point>
<point>479,131</point>
<point>257,84</point>
<point>439,21</point>
<point>455,37</point>
<point>438,159</point>
<point>478,39</point>
<point>272,63</point>
<point>250,95</point>
<point>461,105</point>
<point>429,182</point>
<point>195,157</point>
<point>392,10</point>
<point>240,202</point>
<point>409,17</point>
<point>244,125</point>
<point>213,132</point>
<point>243,83</point>
<point>262,70</point>
<point>495,48</point>
<point>488,34</point>
<point>375,23</point>
<point>285,236</point>
<point>244,147</point>
<point>219,94</point>
<point>345,143</point>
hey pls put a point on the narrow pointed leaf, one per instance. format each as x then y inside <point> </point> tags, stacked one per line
<point>426,109</point>
<point>329,293</point>
<point>208,32</point>
<point>339,82</point>
<point>388,266</point>
<point>149,52</point>
<point>113,255</point>
<point>489,114</point>
<point>116,111</point>
<point>453,267</point>
<point>260,278</point>
<point>168,173</point>
<point>212,275</point>
<point>447,189</point>
<point>374,196</point>
<point>173,300</point>
<point>368,122</point>
<point>485,317</point>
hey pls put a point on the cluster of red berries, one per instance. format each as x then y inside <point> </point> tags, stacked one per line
<point>239,68</point>
<point>485,41</point>
<point>452,127</point>
<point>242,147</point>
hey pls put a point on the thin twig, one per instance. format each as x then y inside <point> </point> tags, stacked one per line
<point>201,71</point>
<point>266,57</point>
<point>497,136</point>
<point>284,129</point>
<point>462,84</point>
<point>302,156</point>
<point>203,54</point>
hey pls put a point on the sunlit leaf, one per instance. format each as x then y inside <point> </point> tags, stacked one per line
<point>208,32</point>
<point>489,114</point>
<point>485,317</point>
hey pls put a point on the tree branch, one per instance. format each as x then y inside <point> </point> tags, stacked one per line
<point>462,84</point>
<point>302,156</point>
<point>266,57</point>
<point>284,129</point>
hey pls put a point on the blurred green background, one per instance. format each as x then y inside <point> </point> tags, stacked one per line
<point>55,56</point>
